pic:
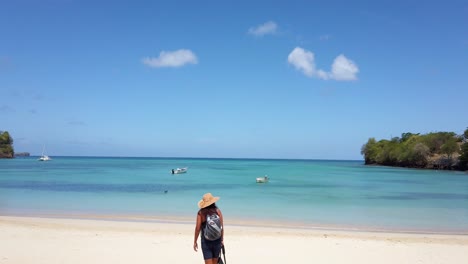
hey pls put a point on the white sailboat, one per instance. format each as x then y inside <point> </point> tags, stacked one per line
<point>43,156</point>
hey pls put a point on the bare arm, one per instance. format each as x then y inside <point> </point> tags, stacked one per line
<point>222,225</point>
<point>197,232</point>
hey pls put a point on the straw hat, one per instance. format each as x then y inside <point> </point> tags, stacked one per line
<point>208,199</point>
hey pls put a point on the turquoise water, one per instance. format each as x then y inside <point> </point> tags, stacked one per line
<point>313,193</point>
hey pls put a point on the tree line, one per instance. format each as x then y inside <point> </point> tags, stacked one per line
<point>6,145</point>
<point>435,150</point>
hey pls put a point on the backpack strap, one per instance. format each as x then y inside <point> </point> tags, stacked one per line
<point>224,253</point>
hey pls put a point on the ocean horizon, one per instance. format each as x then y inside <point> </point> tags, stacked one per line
<point>338,194</point>
<point>189,158</point>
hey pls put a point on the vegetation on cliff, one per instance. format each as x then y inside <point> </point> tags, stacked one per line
<point>6,145</point>
<point>438,150</point>
<point>463,159</point>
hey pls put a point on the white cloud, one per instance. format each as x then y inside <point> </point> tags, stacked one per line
<point>303,60</point>
<point>176,58</point>
<point>343,69</point>
<point>264,29</point>
<point>323,75</point>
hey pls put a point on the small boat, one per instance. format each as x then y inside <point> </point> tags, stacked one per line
<point>263,179</point>
<point>44,157</point>
<point>179,170</point>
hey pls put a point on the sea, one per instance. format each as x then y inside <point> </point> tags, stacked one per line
<point>330,194</point>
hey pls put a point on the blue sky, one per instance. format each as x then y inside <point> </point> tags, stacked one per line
<point>235,79</point>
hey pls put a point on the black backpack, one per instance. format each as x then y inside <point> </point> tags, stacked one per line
<point>213,228</point>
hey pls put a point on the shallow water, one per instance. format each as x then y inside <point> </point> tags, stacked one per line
<point>342,194</point>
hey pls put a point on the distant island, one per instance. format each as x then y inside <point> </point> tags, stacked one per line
<point>436,150</point>
<point>22,154</point>
<point>6,145</point>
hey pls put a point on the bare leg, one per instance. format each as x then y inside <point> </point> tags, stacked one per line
<point>211,261</point>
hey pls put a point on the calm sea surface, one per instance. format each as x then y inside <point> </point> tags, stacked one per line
<point>312,193</point>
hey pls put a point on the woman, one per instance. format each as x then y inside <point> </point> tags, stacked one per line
<point>208,210</point>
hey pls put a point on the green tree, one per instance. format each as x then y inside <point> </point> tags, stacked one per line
<point>370,150</point>
<point>416,150</point>
<point>450,147</point>
<point>406,136</point>
<point>6,145</point>
<point>435,140</point>
<point>389,152</point>
<point>419,154</point>
<point>5,138</point>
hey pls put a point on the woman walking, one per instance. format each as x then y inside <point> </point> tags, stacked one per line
<point>210,228</point>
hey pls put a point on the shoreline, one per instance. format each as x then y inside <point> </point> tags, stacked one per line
<point>42,221</point>
<point>58,240</point>
<point>236,222</point>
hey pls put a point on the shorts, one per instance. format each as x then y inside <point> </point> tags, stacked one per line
<point>211,249</point>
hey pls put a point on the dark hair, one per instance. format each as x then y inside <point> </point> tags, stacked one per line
<point>208,210</point>
<point>213,205</point>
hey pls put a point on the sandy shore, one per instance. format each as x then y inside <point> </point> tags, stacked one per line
<point>55,240</point>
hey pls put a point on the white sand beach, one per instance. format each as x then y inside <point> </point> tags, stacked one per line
<point>57,240</point>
